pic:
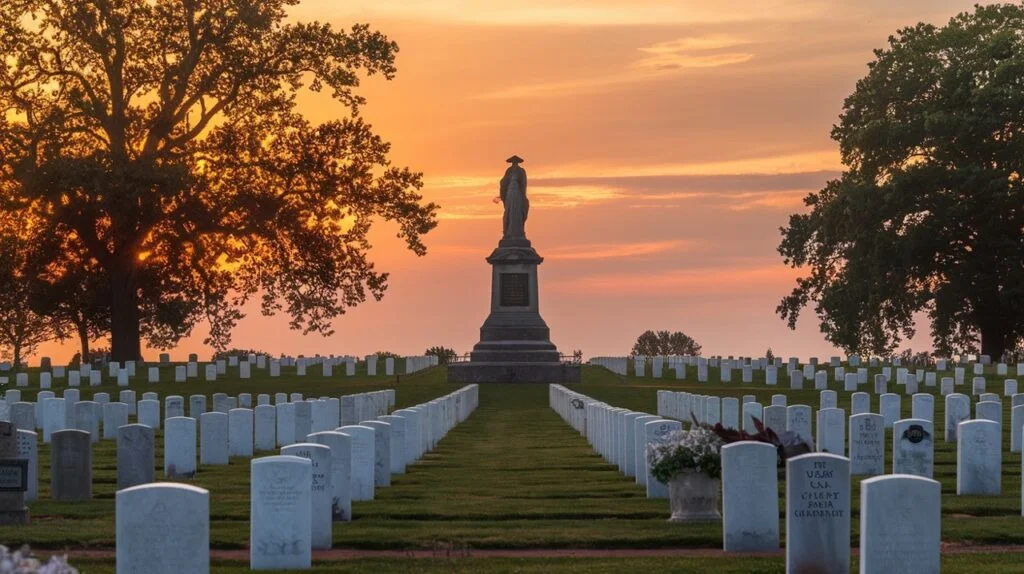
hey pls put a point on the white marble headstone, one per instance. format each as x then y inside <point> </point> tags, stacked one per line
<point>281,513</point>
<point>818,514</point>
<point>900,524</point>
<point>163,528</point>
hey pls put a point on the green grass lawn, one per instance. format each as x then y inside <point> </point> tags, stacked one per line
<point>952,564</point>
<point>514,475</point>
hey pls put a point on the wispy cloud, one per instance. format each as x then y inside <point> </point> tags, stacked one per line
<point>710,51</point>
<point>597,251</point>
<point>659,60</point>
<point>786,200</point>
<point>570,12</point>
<point>573,195</point>
<point>809,161</point>
<point>731,280</point>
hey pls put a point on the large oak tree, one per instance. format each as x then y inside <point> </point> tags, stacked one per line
<point>928,215</point>
<point>161,139</point>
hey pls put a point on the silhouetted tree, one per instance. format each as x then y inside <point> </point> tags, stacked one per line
<point>22,330</point>
<point>929,212</point>
<point>661,343</point>
<point>75,299</point>
<point>162,139</point>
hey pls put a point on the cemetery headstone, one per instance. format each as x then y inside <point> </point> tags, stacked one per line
<point>900,525</point>
<point>363,460</point>
<point>240,432</point>
<point>831,425</point>
<point>179,447</point>
<point>798,420</point>
<point>382,452</point>
<point>280,525</point>
<point>913,447</point>
<point>322,490</point>
<point>750,497</point>
<point>867,444</point>
<point>213,438</point>
<point>818,514</point>
<point>341,461</point>
<point>14,477</point>
<point>163,528</point>
<point>958,410</point>
<point>136,456</point>
<point>71,466</point>
<point>979,458</point>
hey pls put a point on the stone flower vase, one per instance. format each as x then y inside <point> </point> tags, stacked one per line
<point>694,497</point>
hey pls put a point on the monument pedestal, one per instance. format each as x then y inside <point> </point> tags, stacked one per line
<point>515,343</point>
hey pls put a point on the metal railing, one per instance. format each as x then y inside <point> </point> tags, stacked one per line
<point>573,359</point>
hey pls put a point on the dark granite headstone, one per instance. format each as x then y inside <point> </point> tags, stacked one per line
<point>136,456</point>
<point>71,468</point>
<point>13,478</point>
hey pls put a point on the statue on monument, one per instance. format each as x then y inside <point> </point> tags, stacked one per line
<point>513,195</point>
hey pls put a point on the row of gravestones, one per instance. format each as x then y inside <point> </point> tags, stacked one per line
<point>49,413</point>
<point>259,360</point>
<point>850,380</point>
<point>780,417</point>
<point>979,452</point>
<point>623,436</point>
<point>231,429</point>
<point>817,496</point>
<point>979,366</point>
<point>190,370</point>
<point>295,497</point>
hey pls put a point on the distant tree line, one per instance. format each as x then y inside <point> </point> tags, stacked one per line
<point>665,343</point>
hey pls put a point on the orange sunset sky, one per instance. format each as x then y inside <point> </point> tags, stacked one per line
<point>666,142</point>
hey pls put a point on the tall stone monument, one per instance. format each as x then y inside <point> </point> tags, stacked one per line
<point>515,343</point>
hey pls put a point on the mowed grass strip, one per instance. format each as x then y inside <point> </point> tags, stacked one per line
<point>951,564</point>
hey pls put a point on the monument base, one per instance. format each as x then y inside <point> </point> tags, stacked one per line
<point>14,517</point>
<point>483,372</point>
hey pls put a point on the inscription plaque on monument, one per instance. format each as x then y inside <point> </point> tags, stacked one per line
<point>515,290</point>
<point>13,475</point>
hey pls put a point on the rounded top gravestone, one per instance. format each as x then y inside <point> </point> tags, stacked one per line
<point>163,528</point>
<point>281,513</point>
<point>818,513</point>
<point>71,468</point>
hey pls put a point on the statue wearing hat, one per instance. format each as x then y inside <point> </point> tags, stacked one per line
<point>513,195</point>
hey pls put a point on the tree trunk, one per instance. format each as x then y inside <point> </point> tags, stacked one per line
<point>83,338</point>
<point>125,340</point>
<point>993,340</point>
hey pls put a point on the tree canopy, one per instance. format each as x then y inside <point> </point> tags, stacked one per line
<point>928,215</point>
<point>161,140</point>
<point>664,343</point>
<point>22,330</point>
